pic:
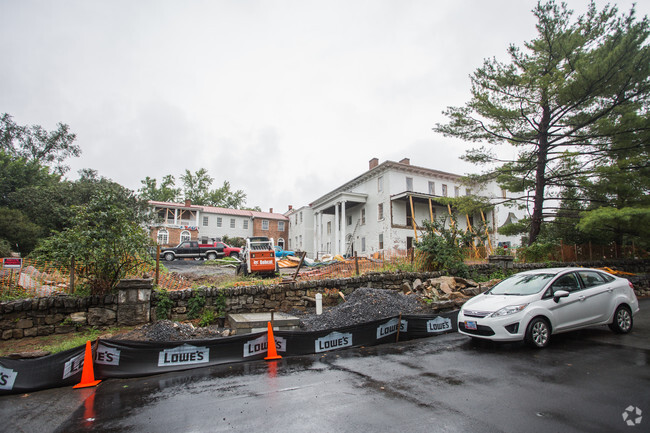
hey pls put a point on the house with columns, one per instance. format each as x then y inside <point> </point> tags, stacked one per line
<point>381,210</point>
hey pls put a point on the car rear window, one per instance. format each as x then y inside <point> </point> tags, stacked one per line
<point>521,285</point>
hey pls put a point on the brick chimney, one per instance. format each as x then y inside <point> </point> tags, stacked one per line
<point>405,161</point>
<point>290,207</point>
<point>271,210</point>
<point>374,162</point>
<point>188,203</point>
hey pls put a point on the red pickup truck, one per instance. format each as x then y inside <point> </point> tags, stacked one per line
<point>228,251</point>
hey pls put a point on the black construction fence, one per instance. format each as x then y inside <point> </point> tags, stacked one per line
<point>124,359</point>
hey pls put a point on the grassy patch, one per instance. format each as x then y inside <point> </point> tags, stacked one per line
<point>57,342</point>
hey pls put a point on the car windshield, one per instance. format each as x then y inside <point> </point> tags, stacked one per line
<point>521,285</point>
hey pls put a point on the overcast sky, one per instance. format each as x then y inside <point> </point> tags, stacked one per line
<point>285,99</point>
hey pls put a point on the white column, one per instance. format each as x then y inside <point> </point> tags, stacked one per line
<point>344,223</point>
<point>336,229</point>
<point>315,235</point>
<point>320,232</point>
<point>175,216</point>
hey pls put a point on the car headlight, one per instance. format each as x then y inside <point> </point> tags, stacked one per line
<point>506,311</point>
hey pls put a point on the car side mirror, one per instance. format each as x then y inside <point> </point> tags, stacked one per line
<point>560,294</point>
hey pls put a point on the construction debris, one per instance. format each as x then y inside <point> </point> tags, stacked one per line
<point>447,288</point>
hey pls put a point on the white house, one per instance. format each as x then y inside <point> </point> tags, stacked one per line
<point>375,211</point>
<point>301,230</point>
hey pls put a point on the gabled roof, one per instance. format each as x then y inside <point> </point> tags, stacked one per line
<point>222,210</point>
<point>383,167</point>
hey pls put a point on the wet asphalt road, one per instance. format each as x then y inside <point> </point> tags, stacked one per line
<point>583,382</point>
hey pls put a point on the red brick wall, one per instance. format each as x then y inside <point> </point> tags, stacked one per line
<point>174,235</point>
<point>273,231</point>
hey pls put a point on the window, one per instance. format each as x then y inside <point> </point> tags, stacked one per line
<point>380,211</point>
<point>567,282</point>
<point>444,190</point>
<point>219,221</point>
<point>233,223</point>
<point>456,191</point>
<point>349,219</point>
<point>300,217</point>
<point>363,216</point>
<point>205,220</point>
<point>281,243</point>
<point>591,279</point>
<point>381,241</point>
<point>329,227</point>
<point>409,184</point>
<point>204,240</point>
<point>163,237</point>
<point>281,226</point>
<point>380,184</point>
<point>363,244</point>
<point>185,236</point>
<point>265,224</point>
<point>468,191</point>
<point>245,224</point>
<point>432,188</point>
<point>300,244</point>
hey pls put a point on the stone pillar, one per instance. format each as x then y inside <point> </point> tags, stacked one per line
<point>134,301</point>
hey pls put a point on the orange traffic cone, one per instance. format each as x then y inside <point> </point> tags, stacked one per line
<point>88,373</point>
<point>270,342</point>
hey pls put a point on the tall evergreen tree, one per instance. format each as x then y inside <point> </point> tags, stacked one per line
<point>565,97</point>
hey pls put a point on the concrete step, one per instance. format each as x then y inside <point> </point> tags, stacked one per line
<point>247,323</point>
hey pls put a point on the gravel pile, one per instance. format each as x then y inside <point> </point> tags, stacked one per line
<point>364,305</point>
<point>166,330</point>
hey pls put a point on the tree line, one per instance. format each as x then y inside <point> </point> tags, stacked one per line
<point>93,219</point>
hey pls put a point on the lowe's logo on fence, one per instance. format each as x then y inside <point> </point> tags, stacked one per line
<point>183,355</point>
<point>107,355</point>
<point>391,327</point>
<point>259,345</point>
<point>7,378</point>
<point>439,324</point>
<point>335,340</point>
<point>73,366</point>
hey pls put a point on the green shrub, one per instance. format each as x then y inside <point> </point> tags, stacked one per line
<point>195,305</point>
<point>207,318</point>
<point>220,303</point>
<point>164,305</point>
<point>537,252</point>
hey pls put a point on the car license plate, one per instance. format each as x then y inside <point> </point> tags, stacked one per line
<point>470,325</point>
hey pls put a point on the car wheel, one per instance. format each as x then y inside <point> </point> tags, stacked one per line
<point>538,333</point>
<point>211,256</point>
<point>234,255</point>
<point>622,323</point>
<point>169,257</point>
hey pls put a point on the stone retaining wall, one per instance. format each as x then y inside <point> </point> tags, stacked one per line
<point>134,302</point>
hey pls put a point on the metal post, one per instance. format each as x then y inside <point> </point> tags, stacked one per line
<point>72,266</point>
<point>157,265</point>
<point>399,325</point>
<point>356,263</point>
